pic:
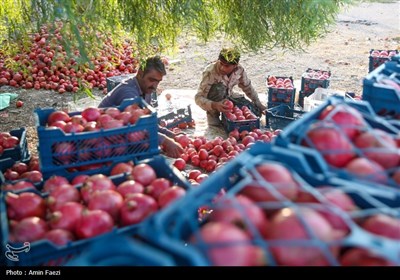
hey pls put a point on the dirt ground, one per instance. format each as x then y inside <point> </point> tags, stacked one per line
<point>344,51</point>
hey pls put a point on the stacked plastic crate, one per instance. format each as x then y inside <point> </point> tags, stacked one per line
<point>379,57</point>
<point>280,91</point>
<point>352,141</point>
<point>181,118</point>
<point>14,148</point>
<point>310,81</point>
<point>381,88</point>
<point>97,144</point>
<point>280,116</point>
<point>246,215</point>
<point>70,237</point>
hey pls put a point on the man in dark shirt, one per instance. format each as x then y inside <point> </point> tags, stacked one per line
<point>143,85</point>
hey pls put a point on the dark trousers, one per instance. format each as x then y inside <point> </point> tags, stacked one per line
<point>218,92</point>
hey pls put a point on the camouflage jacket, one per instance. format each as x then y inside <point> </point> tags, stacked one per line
<point>211,75</point>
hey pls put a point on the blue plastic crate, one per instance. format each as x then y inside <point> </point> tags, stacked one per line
<point>43,252</point>
<point>176,225</point>
<point>248,125</point>
<point>20,152</point>
<point>175,118</point>
<point>375,62</point>
<point>308,85</point>
<point>111,145</point>
<point>116,250</point>
<point>280,116</point>
<point>294,134</point>
<point>281,95</point>
<point>8,163</point>
<point>384,99</point>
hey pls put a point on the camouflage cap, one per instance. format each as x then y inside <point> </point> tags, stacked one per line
<point>229,55</point>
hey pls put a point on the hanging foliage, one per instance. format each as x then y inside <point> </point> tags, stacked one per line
<point>155,25</point>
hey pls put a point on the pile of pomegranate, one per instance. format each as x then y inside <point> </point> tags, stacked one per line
<point>45,64</point>
<point>206,155</point>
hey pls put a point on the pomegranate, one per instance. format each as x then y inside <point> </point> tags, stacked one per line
<point>366,169</point>
<point>345,117</point>
<point>80,179</point>
<point>11,175</point>
<point>54,182</point>
<point>169,195</point>
<point>64,152</point>
<point>241,213</point>
<point>34,176</point>
<point>180,164</point>
<point>58,116</point>
<point>59,236</point>
<point>107,200</point>
<point>24,205</point>
<point>92,223</point>
<point>78,119</point>
<point>379,146</point>
<point>363,257</point>
<point>112,111</point>
<point>122,167</point>
<point>20,185</point>
<point>383,225</point>
<point>129,187</point>
<point>136,208</point>
<point>279,180</point>
<point>331,143</point>
<point>61,195</point>
<point>193,174</point>
<point>91,113</point>
<point>66,216</point>
<point>29,229</point>
<point>286,225</point>
<point>20,167</point>
<point>94,183</point>
<point>201,178</point>
<point>227,245</point>
<point>157,187</point>
<point>144,174</point>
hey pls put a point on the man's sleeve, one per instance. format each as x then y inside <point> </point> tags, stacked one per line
<point>202,92</point>
<point>248,89</point>
<point>165,131</point>
<point>161,138</point>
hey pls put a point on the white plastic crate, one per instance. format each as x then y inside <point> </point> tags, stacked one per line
<point>318,97</point>
<point>80,104</point>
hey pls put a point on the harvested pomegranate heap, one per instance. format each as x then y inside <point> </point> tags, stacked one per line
<point>45,64</point>
<point>209,155</point>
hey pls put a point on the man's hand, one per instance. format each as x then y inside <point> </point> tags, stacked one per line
<point>262,108</point>
<point>172,148</point>
<point>220,106</point>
